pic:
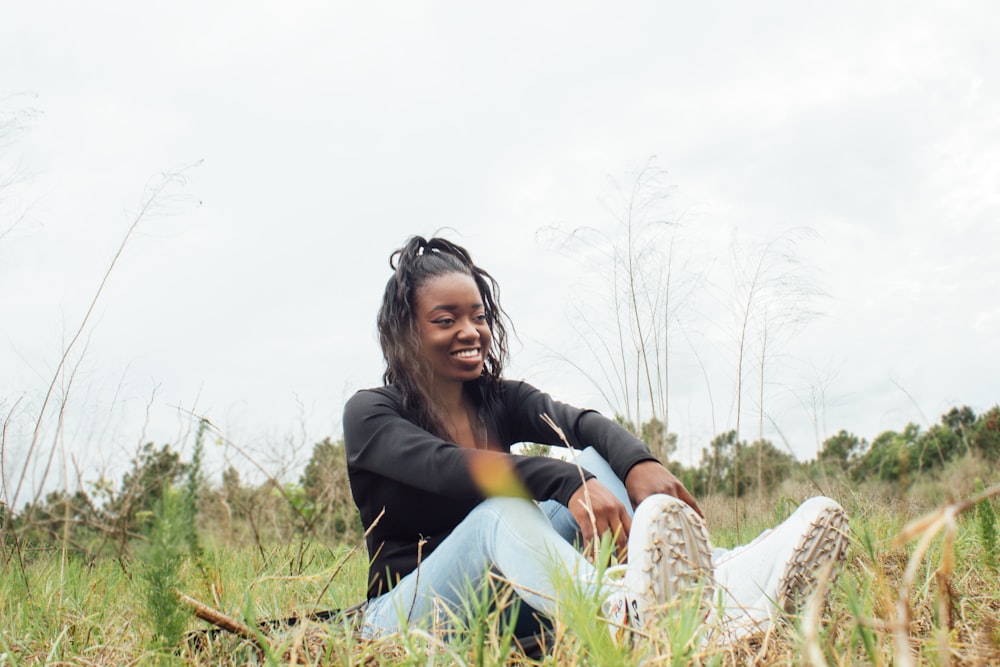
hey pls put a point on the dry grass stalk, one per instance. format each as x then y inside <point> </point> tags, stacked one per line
<point>595,543</point>
<point>347,557</point>
<point>811,617</point>
<point>309,643</point>
<point>927,529</point>
<point>944,601</point>
<point>762,654</point>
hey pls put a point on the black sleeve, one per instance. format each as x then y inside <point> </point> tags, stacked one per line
<point>380,440</point>
<point>582,428</point>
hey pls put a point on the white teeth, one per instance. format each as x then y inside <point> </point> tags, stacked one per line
<point>466,354</point>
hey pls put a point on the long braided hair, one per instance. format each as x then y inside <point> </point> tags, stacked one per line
<point>416,263</point>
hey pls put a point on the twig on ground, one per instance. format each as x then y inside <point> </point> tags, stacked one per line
<point>219,620</point>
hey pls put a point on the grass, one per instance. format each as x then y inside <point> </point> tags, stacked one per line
<point>91,613</point>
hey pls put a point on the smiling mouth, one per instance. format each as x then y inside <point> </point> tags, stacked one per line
<point>466,354</point>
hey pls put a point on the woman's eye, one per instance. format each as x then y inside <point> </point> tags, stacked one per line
<point>444,321</point>
<point>480,318</point>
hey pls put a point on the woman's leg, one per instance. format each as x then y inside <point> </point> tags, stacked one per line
<point>508,535</point>
<point>560,516</point>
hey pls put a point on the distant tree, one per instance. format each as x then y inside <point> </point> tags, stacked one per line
<point>771,466</point>
<point>936,447</point>
<point>986,434</point>
<point>90,522</point>
<point>653,432</point>
<point>61,518</point>
<point>153,471</point>
<point>717,462</point>
<point>959,420</point>
<point>661,444</point>
<point>735,471</point>
<point>231,483</point>
<point>327,489</point>
<point>889,457</point>
<point>839,450</point>
<point>323,471</point>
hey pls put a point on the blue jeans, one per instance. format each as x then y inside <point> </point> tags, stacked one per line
<point>530,545</point>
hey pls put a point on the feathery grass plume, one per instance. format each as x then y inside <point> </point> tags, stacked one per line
<point>986,520</point>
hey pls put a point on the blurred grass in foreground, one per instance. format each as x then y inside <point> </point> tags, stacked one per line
<point>91,612</point>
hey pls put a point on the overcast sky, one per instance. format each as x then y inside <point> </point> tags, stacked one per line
<point>860,138</point>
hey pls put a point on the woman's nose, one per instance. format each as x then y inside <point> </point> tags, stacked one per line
<point>468,330</point>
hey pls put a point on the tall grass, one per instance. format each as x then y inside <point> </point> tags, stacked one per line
<point>95,613</point>
<point>92,612</point>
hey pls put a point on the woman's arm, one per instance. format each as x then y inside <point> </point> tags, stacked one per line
<point>629,457</point>
<point>582,428</point>
<point>380,440</point>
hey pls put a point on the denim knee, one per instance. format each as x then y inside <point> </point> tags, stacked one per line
<point>517,509</point>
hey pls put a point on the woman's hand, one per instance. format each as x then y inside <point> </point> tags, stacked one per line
<point>649,477</point>
<point>609,516</point>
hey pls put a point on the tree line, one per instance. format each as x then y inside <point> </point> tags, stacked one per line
<point>110,519</point>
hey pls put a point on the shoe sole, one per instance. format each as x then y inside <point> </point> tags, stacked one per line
<point>671,544</point>
<point>825,542</point>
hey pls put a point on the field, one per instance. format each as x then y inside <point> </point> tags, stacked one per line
<point>926,595</point>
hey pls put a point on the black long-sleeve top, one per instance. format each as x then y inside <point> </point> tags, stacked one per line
<point>423,483</point>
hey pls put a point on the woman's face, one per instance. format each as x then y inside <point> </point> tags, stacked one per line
<point>454,335</point>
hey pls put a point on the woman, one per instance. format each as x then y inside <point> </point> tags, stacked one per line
<point>427,449</point>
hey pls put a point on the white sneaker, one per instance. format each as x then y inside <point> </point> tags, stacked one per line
<point>778,570</point>
<point>668,554</point>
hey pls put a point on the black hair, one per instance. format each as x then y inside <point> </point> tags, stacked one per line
<point>416,263</point>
